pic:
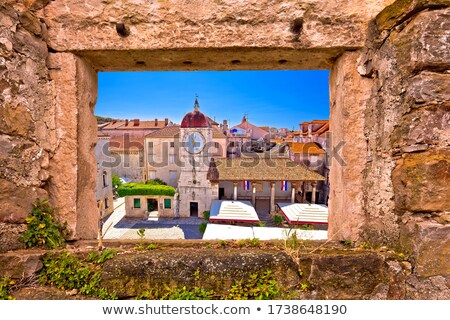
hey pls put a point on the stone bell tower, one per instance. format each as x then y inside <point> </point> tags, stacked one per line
<point>194,189</point>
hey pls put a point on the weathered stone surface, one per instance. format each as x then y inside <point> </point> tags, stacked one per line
<point>421,181</point>
<point>9,235</point>
<point>132,274</point>
<point>20,265</point>
<point>328,28</point>
<point>433,288</point>
<point>423,43</point>
<point>432,249</point>
<point>348,97</point>
<point>17,202</point>
<point>429,88</point>
<point>45,293</point>
<point>423,128</point>
<point>72,169</point>
<point>350,276</point>
<point>399,11</point>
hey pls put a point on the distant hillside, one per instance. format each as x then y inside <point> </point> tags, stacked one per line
<point>101,119</point>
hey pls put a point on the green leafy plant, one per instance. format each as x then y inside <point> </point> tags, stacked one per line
<point>156,182</point>
<point>252,242</point>
<point>141,233</point>
<point>222,243</point>
<point>65,271</point>
<point>261,224</point>
<point>292,241</point>
<point>278,219</point>
<point>259,286</point>
<point>116,181</point>
<point>5,283</point>
<point>136,189</point>
<point>347,243</point>
<point>152,246</point>
<point>202,227</point>
<point>241,243</point>
<point>206,214</point>
<point>178,294</point>
<point>42,229</point>
<point>306,227</point>
<point>100,258</point>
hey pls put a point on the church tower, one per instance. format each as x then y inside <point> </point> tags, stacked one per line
<point>194,189</point>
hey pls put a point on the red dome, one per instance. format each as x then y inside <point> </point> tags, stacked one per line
<point>195,119</point>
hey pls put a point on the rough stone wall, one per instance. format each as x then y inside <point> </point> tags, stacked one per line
<point>27,126</point>
<point>407,128</point>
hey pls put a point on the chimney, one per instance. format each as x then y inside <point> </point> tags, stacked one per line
<point>126,122</point>
<point>166,121</point>
<point>136,122</point>
<point>156,122</point>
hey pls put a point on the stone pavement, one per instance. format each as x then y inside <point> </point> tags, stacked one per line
<point>164,228</point>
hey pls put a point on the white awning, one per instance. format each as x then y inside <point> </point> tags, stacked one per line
<point>235,211</point>
<point>304,213</point>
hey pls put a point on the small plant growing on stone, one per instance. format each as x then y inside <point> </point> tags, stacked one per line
<point>306,227</point>
<point>222,243</point>
<point>101,257</point>
<point>65,271</point>
<point>206,215</point>
<point>141,233</point>
<point>42,229</point>
<point>259,286</point>
<point>152,246</point>
<point>5,283</point>
<point>241,243</point>
<point>347,243</point>
<point>261,224</point>
<point>253,242</point>
<point>278,219</point>
<point>202,227</point>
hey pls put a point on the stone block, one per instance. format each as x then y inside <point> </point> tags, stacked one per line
<point>421,181</point>
<point>433,288</point>
<point>427,126</point>
<point>16,201</point>
<point>219,269</point>
<point>17,265</point>
<point>400,10</point>
<point>423,43</point>
<point>347,276</point>
<point>429,88</point>
<point>432,249</point>
<point>9,236</point>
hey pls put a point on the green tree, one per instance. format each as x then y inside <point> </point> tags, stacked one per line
<point>116,181</point>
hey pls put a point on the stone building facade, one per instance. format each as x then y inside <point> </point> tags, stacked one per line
<point>389,95</point>
<point>104,189</point>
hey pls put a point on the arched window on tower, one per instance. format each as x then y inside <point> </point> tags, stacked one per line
<point>105,180</point>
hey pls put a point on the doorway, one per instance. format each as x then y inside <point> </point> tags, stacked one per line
<point>152,205</point>
<point>193,209</point>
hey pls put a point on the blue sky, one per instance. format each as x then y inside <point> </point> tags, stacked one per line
<point>275,98</point>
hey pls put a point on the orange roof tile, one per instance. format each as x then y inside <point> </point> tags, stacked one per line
<point>306,148</point>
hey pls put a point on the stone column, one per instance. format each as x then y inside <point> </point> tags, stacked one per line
<point>293,193</point>
<point>73,167</point>
<point>304,191</point>
<point>235,190</point>
<point>253,194</point>
<point>313,195</point>
<point>272,196</point>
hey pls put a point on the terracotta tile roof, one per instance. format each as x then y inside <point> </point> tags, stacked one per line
<point>278,169</point>
<point>306,148</point>
<point>173,131</point>
<point>126,143</point>
<point>136,124</point>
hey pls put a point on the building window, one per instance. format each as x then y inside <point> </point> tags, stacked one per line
<point>150,147</point>
<point>136,203</point>
<point>172,144</point>
<point>216,145</point>
<point>106,203</point>
<point>104,176</point>
<point>171,159</point>
<point>167,203</point>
